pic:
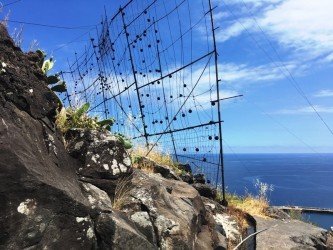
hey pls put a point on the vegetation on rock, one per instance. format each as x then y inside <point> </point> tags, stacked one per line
<point>78,118</point>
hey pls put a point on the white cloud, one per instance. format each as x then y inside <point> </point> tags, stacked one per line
<point>328,58</point>
<point>324,93</point>
<point>255,3</point>
<point>233,30</point>
<point>303,26</point>
<point>245,74</point>
<point>304,110</point>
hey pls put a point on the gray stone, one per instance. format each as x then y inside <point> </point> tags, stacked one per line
<point>145,226</point>
<point>164,171</point>
<point>205,190</point>
<point>102,155</point>
<point>98,199</point>
<point>119,233</point>
<point>289,234</point>
<point>185,167</point>
<point>199,178</point>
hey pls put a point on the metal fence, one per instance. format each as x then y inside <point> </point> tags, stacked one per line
<point>153,67</point>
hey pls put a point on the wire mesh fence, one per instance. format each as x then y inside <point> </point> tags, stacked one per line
<point>151,67</point>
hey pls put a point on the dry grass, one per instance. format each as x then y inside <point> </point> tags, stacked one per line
<point>254,206</point>
<point>123,188</point>
<point>249,204</point>
<point>155,156</point>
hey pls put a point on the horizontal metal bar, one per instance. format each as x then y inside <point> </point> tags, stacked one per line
<point>181,129</point>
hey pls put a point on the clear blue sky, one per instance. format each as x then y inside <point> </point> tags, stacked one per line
<point>277,53</point>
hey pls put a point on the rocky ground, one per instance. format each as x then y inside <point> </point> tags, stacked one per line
<point>289,234</point>
<point>87,195</point>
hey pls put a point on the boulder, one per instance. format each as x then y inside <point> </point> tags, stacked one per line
<point>163,170</point>
<point>102,155</point>
<point>205,190</point>
<point>176,217</point>
<point>185,168</point>
<point>292,234</point>
<point>116,231</point>
<point>199,178</point>
<point>188,178</point>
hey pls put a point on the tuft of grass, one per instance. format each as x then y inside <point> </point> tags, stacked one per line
<point>249,203</point>
<point>252,204</point>
<point>298,215</point>
<point>155,156</point>
<point>123,188</point>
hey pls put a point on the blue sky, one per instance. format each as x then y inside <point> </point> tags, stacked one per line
<point>277,53</point>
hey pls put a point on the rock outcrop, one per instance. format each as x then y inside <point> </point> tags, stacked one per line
<point>289,234</point>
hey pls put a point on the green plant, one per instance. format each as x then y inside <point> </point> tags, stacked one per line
<point>126,143</point>
<point>46,66</point>
<point>78,118</point>
<point>296,214</point>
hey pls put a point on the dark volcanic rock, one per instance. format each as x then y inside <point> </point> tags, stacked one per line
<point>185,167</point>
<point>188,178</point>
<point>40,199</point>
<point>116,231</point>
<point>175,219</point>
<point>205,190</point>
<point>23,84</point>
<point>164,171</point>
<point>199,178</point>
<point>102,155</point>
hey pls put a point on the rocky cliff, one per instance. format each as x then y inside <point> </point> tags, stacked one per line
<point>87,195</point>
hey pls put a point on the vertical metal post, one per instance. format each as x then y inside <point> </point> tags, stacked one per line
<point>135,79</point>
<point>224,201</point>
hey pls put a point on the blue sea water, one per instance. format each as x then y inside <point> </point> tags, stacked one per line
<point>298,179</point>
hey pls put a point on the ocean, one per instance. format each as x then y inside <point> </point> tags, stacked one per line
<point>297,179</point>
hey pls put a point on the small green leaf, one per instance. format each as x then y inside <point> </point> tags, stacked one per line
<point>60,87</point>
<point>47,65</point>
<point>53,79</point>
<point>127,144</point>
<point>82,110</point>
<point>106,122</point>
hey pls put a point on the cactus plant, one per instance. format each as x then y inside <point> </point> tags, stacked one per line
<point>47,65</point>
<point>126,143</point>
<point>78,118</point>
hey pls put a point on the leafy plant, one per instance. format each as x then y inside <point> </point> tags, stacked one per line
<point>78,118</point>
<point>126,143</point>
<point>46,66</point>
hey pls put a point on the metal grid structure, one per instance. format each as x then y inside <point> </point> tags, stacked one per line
<point>153,67</point>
